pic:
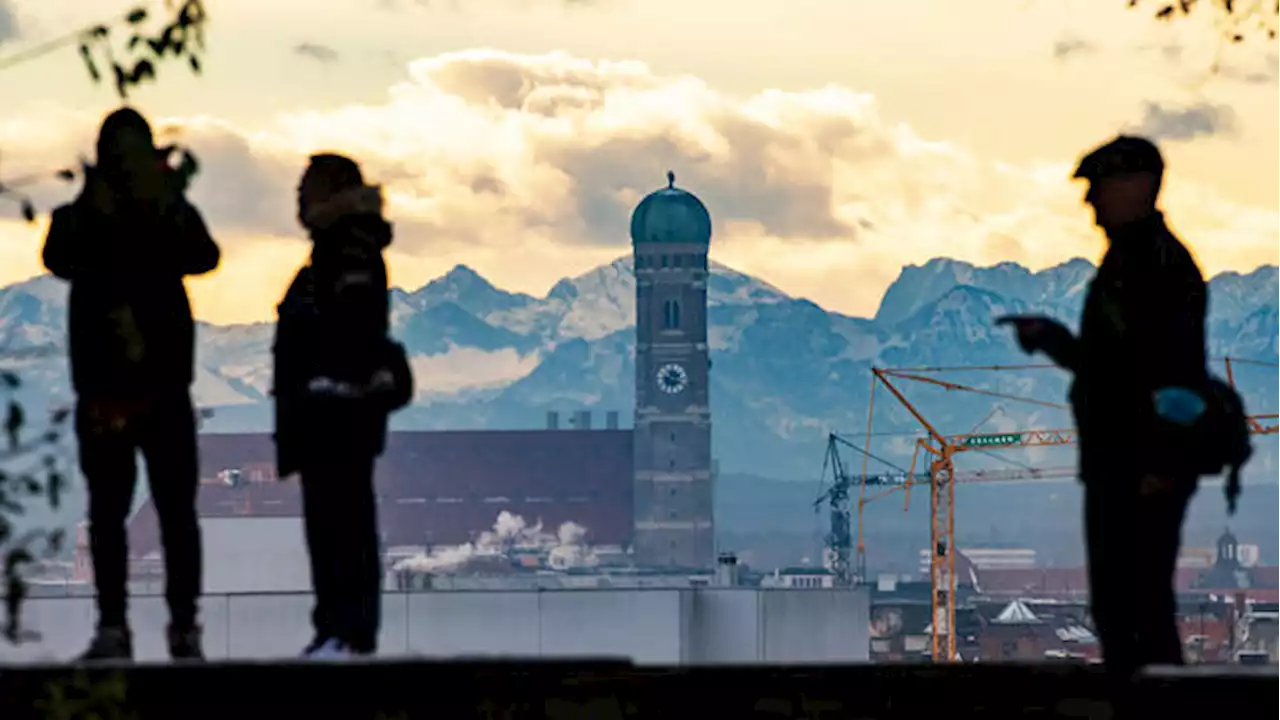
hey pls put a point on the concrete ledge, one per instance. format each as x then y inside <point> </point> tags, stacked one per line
<point>604,689</point>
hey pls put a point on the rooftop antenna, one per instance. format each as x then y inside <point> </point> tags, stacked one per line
<point>671,180</point>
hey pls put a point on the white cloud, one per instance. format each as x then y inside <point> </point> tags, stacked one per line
<point>527,166</point>
<point>469,369</point>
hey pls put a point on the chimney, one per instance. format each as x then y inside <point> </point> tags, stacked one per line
<point>611,420</point>
<point>727,570</point>
<point>553,420</point>
<point>582,419</point>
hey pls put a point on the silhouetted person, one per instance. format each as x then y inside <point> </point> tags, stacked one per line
<point>337,377</point>
<point>1141,381</point>
<point>125,244</point>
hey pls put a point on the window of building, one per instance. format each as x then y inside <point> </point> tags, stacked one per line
<point>677,261</point>
<point>664,261</point>
<point>671,314</point>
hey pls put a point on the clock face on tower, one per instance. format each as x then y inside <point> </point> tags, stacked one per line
<point>672,378</point>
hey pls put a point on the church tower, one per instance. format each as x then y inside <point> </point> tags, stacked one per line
<point>670,235</point>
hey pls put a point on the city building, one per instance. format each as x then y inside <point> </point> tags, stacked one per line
<point>643,492</point>
<point>984,558</point>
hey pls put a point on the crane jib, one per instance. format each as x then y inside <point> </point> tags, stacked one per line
<point>993,440</point>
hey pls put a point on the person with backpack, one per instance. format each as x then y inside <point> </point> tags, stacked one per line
<point>125,244</point>
<point>1149,416</point>
<point>337,377</point>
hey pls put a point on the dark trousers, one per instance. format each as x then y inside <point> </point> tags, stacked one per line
<point>341,516</point>
<point>111,433</point>
<point>1132,538</point>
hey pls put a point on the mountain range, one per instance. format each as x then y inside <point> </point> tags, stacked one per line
<point>786,371</point>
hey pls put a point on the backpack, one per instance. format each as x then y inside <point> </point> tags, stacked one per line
<point>1220,438</point>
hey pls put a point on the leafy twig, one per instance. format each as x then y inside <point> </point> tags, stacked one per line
<point>1239,17</point>
<point>182,37</point>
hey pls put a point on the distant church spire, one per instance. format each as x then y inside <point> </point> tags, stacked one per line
<point>671,179</point>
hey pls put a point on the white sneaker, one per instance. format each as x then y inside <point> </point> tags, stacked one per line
<point>330,650</point>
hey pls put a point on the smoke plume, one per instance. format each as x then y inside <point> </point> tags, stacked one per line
<point>564,549</point>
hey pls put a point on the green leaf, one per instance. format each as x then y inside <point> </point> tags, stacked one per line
<point>122,81</point>
<point>15,418</point>
<point>89,64</point>
<point>15,559</point>
<point>55,541</point>
<point>53,487</point>
<point>144,70</point>
<point>28,211</point>
<point>66,175</point>
<point>10,380</point>
<point>194,62</point>
<point>138,15</point>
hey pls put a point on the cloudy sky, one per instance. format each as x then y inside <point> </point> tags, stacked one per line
<point>833,141</point>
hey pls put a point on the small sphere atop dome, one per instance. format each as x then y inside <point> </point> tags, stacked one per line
<point>671,215</point>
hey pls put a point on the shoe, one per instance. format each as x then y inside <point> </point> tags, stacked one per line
<point>184,643</point>
<point>331,649</point>
<point>316,643</point>
<point>109,643</point>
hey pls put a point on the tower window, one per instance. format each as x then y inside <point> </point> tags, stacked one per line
<point>671,314</point>
<point>664,261</point>
<point>677,260</point>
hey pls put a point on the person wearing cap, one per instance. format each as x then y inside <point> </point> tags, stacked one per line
<point>1139,354</point>
<point>125,244</point>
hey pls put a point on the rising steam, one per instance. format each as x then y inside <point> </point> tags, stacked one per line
<point>564,549</point>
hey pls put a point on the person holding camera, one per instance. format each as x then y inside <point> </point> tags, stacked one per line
<point>125,244</point>
<point>337,377</point>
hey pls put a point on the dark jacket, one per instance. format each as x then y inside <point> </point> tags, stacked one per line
<point>130,326</point>
<point>333,322</point>
<point>1143,329</point>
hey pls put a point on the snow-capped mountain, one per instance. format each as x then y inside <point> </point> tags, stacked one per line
<point>786,371</point>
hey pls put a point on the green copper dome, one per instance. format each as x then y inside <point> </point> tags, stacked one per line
<point>671,215</point>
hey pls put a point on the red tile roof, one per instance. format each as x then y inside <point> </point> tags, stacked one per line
<point>440,487</point>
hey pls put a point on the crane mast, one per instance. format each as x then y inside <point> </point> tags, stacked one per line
<point>942,450</point>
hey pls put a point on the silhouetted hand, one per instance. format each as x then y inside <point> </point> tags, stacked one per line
<point>1036,333</point>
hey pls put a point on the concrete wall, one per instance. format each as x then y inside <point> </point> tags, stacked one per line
<point>255,554</point>
<point>710,625</point>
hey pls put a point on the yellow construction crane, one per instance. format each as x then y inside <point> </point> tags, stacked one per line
<point>839,542</point>
<point>943,449</point>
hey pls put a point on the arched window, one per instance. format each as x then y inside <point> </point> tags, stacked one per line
<point>671,314</point>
